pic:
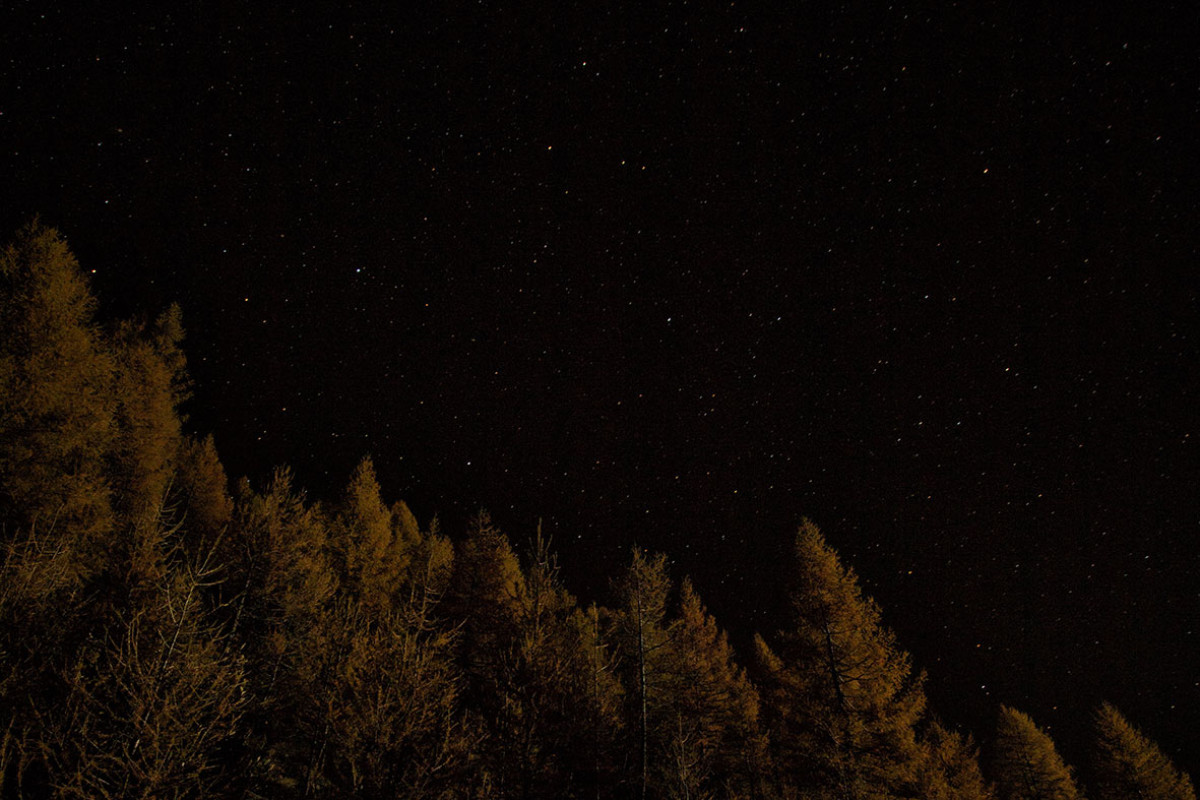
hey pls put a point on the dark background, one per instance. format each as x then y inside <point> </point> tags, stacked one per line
<point>679,277</point>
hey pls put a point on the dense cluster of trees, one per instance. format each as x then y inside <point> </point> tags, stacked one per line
<point>163,637</point>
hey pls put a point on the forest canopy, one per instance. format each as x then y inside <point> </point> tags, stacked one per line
<point>165,633</point>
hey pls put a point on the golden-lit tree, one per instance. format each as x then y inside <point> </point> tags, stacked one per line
<point>150,384</point>
<point>842,698</point>
<point>1129,765</point>
<point>1026,764</point>
<point>644,644</point>
<point>155,706</point>
<point>88,426</point>
<point>431,567</point>
<point>203,490</point>
<point>280,579</point>
<point>373,547</point>
<point>714,740</point>
<point>359,697</point>
<point>385,718</point>
<point>949,768</point>
<point>57,416</point>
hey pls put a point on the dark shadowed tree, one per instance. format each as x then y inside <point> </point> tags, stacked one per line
<point>551,714</point>
<point>594,752</point>
<point>485,600</point>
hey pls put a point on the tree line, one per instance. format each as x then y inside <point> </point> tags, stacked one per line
<point>164,634</point>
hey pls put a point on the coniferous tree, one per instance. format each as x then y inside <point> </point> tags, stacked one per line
<point>714,742</point>
<point>150,384</point>
<point>644,642</point>
<point>203,490</point>
<point>277,559</point>
<point>542,690</point>
<point>278,589</point>
<point>841,693</point>
<point>387,703</point>
<point>1129,766</point>
<point>485,599</point>
<point>57,417</point>
<point>77,443</point>
<point>372,546</point>
<point>155,704</point>
<point>949,767</point>
<point>372,688</point>
<point>1027,765</point>
<point>503,645</point>
<point>594,753</point>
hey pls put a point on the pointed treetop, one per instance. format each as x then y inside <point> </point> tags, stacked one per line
<point>1130,765</point>
<point>1027,764</point>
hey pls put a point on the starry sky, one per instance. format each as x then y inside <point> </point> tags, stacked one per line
<point>679,275</point>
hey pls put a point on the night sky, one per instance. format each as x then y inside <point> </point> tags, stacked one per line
<point>681,276</point>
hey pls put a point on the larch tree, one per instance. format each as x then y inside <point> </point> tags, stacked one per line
<point>1129,766</point>
<point>371,547</point>
<point>713,743</point>
<point>150,385</point>
<point>279,576</point>
<point>367,702</point>
<point>156,704</point>
<point>843,699</point>
<point>126,679</point>
<point>57,415</point>
<point>644,643</point>
<point>1026,764</point>
<point>384,718</point>
<point>950,766</point>
<point>485,601</point>
<point>278,591</point>
<point>598,720</point>
<point>203,488</point>
<point>542,690</point>
<point>486,595</point>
